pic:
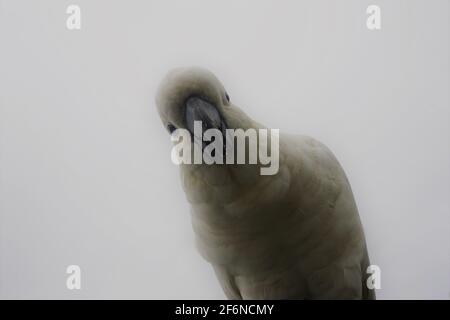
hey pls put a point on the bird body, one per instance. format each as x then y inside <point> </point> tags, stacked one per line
<point>292,235</point>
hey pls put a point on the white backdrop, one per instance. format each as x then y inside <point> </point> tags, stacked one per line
<point>85,170</point>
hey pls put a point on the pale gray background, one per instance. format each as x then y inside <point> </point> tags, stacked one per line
<point>86,176</point>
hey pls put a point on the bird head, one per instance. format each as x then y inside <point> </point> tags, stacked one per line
<point>195,94</point>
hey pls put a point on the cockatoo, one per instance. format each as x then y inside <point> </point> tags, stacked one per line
<point>295,234</point>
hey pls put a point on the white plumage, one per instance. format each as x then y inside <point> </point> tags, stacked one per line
<point>293,235</point>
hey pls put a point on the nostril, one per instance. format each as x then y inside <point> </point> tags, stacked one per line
<point>171,128</point>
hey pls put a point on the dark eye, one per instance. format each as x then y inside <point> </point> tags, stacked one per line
<point>171,128</point>
<point>227,96</point>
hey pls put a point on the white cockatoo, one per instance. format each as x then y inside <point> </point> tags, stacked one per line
<point>295,234</point>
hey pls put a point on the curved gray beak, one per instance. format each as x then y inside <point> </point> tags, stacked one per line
<point>198,109</point>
